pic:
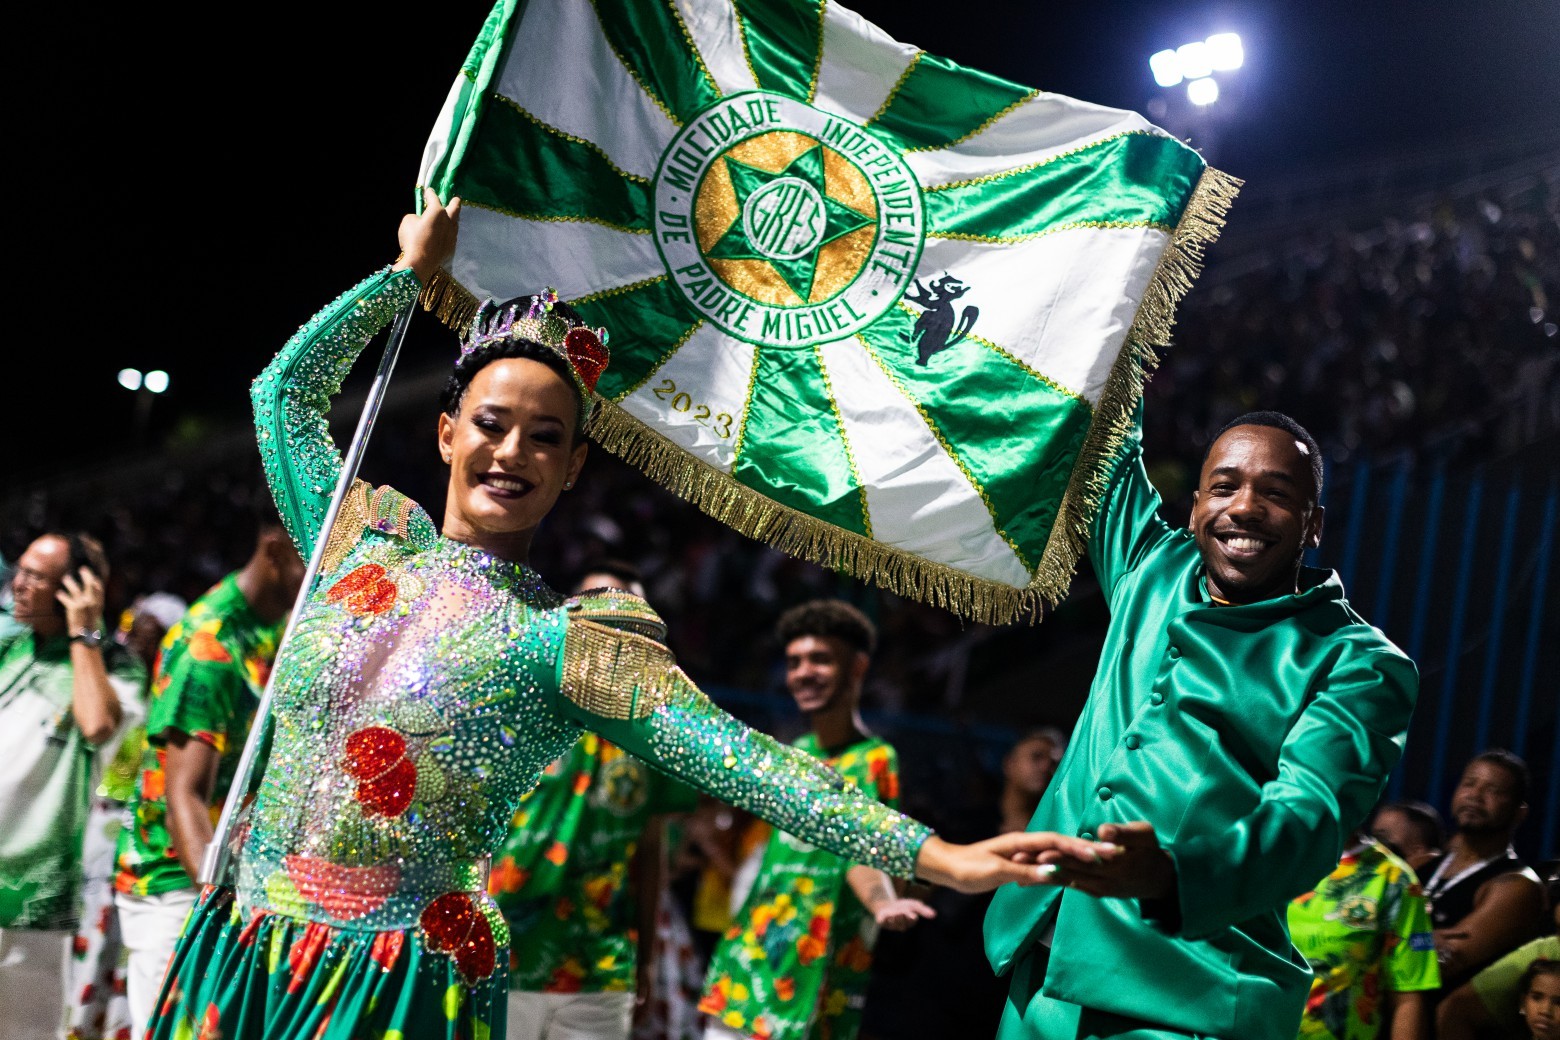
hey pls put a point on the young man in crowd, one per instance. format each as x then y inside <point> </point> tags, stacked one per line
<point>1365,929</point>
<point>1484,900</point>
<point>1027,770</point>
<point>65,690</point>
<point>1243,721</point>
<point>578,878</point>
<point>1413,830</point>
<point>210,673</point>
<point>796,959</point>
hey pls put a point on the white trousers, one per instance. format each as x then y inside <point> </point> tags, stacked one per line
<point>33,966</point>
<point>570,1016</point>
<point>714,1030</point>
<point>150,927</point>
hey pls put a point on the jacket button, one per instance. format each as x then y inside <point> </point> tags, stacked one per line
<point>1156,698</point>
<point>1086,835</point>
<point>1174,652</point>
<point>1104,794</point>
<point>1133,743</point>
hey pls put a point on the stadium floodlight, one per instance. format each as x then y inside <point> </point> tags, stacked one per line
<point>130,378</point>
<point>1203,91</point>
<point>1225,52</point>
<point>1166,68</point>
<point>157,380</point>
<point>1194,60</point>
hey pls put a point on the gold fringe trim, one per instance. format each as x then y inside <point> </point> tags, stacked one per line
<point>795,533</point>
<point>452,303</point>
<point>1178,268</point>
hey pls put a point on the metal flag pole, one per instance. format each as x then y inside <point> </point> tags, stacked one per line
<point>215,863</point>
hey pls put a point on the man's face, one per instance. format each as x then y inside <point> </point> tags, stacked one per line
<point>1486,799</point>
<point>37,580</point>
<point>819,670</point>
<point>1254,512</point>
<point>1030,766</point>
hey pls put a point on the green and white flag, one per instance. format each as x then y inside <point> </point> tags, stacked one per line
<point>880,310</point>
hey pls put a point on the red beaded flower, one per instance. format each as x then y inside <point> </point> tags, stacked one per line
<point>376,757</point>
<point>343,892</point>
<point>365,589</point>
<point>587,354</point>
<point>454,924</point>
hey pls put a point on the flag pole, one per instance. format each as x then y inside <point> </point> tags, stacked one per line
<point>217,860</point>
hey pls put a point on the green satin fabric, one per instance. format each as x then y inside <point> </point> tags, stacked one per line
<point>941,102</point>
<point>1252,737</point>
<point>476,72</point>
<point>514,165</point>
<point>1132,179</point>
<point>782,39</point>
<point>653,42</point>
<point>1016,435</point>
<point>793,450</point>
<point>649,320</point>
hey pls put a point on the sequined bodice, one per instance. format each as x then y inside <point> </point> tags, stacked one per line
<point>414,706</point>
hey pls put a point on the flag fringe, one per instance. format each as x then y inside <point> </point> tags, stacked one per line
<point>795,533</point>
<point>1178,268</point>
<point>452,303</point>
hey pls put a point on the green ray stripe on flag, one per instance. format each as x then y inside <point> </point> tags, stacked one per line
<point>1015,435</point>
<point>519,165</point>
<point>647,321</point>
<point>804,463</point>
<point>476,71</point>
<point>939,102</point>
<point>783,41</point>
<point>1131,179</point>
<point>652,41</point>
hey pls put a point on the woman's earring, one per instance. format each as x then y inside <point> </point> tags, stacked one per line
<point>568,484</point>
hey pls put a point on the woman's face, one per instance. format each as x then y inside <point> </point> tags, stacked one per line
<point>511,447</point>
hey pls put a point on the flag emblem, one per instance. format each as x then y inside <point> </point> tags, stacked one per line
<point>783,224</point>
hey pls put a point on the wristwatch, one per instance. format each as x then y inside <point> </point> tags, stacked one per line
<point>92,638</point>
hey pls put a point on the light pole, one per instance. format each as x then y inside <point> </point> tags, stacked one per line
<point>146,386</point>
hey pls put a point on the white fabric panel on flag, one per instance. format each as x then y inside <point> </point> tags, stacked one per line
<point>574,257</point>
<point>1040,128</point>
<point>860,65</point>
<point>697,396</point>
<point>586,92</point>
<point>713,26</point>
<point>1080,330</point>
<point>439,141</point>
<point>917,497</point>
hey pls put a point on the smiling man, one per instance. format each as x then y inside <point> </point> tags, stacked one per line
<point>1241,724</point>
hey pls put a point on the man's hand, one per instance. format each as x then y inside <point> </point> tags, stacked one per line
<point>82,598</point>
<point>1015,858</point>
<point>1140,869</point>
<point>428,239</point>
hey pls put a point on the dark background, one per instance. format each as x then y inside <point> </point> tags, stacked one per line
<point>206,178</point>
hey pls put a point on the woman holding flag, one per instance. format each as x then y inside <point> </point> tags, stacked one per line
<point>432,675</point>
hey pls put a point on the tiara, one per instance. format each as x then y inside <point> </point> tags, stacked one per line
<point>584,348</point>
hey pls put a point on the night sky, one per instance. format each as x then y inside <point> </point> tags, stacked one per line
<point>208,186</point>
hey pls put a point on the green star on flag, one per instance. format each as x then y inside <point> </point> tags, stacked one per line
<point>882,311</point>
<point>785,218</point>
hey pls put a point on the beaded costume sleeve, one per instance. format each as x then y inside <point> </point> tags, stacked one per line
<point>618,679</point>
<point>291,398</point>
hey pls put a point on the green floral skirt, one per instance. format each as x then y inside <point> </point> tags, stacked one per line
<point>263,976</point>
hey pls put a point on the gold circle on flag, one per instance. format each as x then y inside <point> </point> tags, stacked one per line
<point>839,262</point>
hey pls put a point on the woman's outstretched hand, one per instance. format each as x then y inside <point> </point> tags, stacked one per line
<point>428,239</point>
<point>1006,858</point>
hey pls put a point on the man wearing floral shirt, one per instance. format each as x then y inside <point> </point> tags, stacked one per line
<point>211,670</point>
<point>1366,932</point>
<point>795,961</point>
